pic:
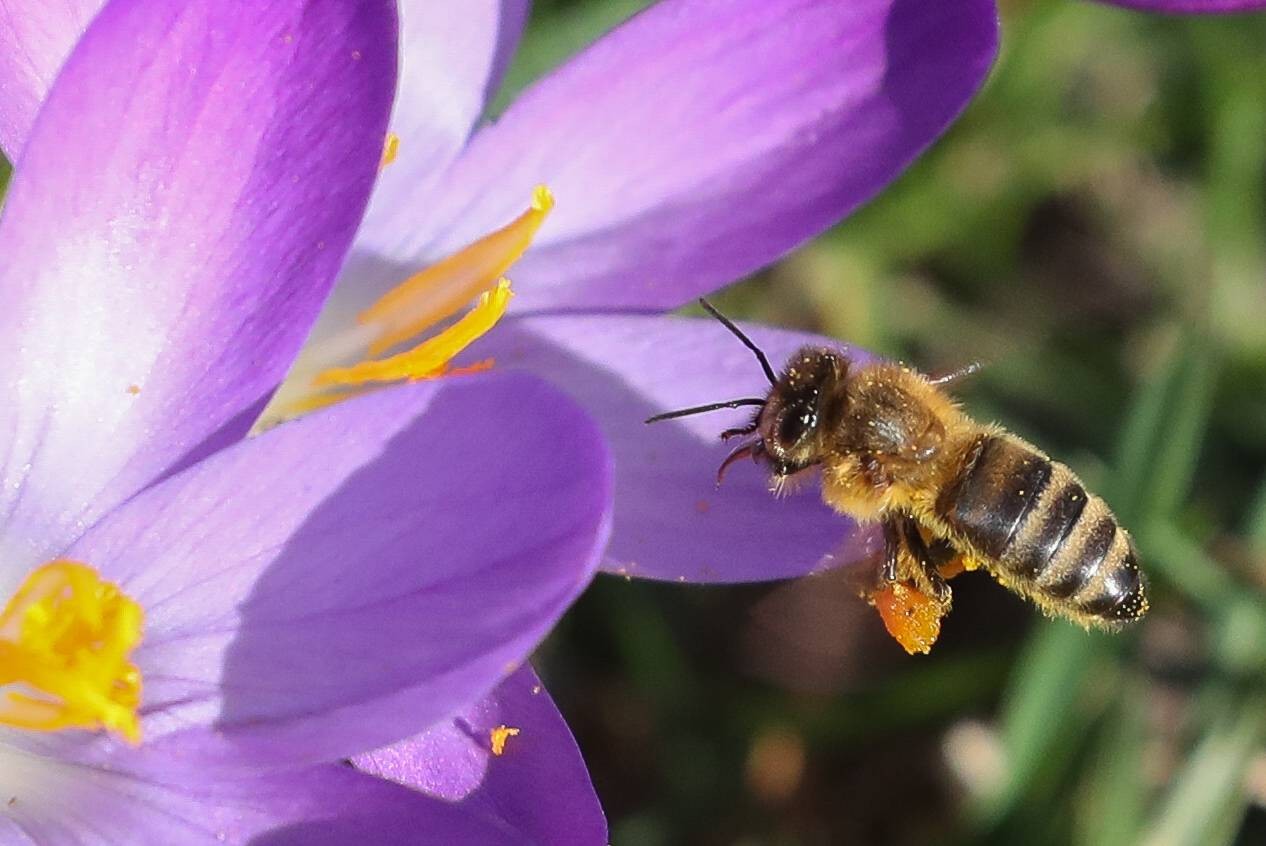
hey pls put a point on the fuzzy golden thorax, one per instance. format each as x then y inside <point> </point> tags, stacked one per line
<point>896,440</point>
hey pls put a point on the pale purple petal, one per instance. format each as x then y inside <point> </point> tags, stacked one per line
<point>36,36</point>
<point>453,57</point>
<point>671,522</point>
<point>56,802</point>
<point>1191,7</point>
<point>699,142</point>
<point>190,189</point>
<point>538,786</point>
<point>350,579</point>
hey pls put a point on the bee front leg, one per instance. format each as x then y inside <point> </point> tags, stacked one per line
<point>739,432</point>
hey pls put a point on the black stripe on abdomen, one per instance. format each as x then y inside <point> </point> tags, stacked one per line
<point>999,485</point>
<point>1056,522</point>
<point>1086,563</point>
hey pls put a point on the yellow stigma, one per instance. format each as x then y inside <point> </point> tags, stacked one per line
<point>497,738</point>
<point>65,640</point>
<point>390,149</point>
<point>440,291</point>
<point>431,357</point>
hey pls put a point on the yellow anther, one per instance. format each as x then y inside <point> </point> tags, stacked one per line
<point>66,637</point>
<point>431,357</point>
<point>497,738</point>
<point>440,291</point>
<point>390,149</point>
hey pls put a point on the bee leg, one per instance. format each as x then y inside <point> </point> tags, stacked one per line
<point>913,541</point>
<point>742,430</point>
<point>873,472</point>
<point>892,551</point>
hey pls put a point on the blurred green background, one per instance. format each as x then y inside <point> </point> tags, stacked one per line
<point>1094,230</point>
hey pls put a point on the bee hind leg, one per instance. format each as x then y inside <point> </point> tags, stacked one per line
<point>892,552</point>
<point>928,572</point>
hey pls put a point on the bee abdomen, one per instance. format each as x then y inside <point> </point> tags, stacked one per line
<point>1032,519</point>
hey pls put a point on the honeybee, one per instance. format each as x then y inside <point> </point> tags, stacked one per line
<point>950,493</point>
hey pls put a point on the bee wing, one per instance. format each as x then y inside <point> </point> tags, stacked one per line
<point>817,634</point>
<point>857,559</point>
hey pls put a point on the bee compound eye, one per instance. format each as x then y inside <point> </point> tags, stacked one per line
<point>794,425</point>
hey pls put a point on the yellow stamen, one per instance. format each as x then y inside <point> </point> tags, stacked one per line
<point>440,291</point>
<point>497,738</point>
<point>65,640</point>
<point>390,149</point>
<point>431,357</point>
<point>433,295</point>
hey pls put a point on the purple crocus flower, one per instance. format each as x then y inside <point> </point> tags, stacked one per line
<point>693,145</point>
<point>181,203</point>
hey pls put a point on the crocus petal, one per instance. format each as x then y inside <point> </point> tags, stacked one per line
<point>453,58</point>
<point>36,36</point>
<point>350,579</point>
<point>671,522</point>
<point>171,232</point>
<point>63,803</point>
<point>1191,7</point>
<point>538,786</point>
<point>700,141</point>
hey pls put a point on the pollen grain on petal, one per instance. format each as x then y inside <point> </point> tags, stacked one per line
<point>66,637</point>
<point>390,149</point>
<point>498,736</point>
<point>441,290</point>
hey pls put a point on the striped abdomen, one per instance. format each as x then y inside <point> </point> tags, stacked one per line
<point>1038,528</point>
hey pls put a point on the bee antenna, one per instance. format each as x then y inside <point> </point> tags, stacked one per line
<point>700,409</point>
<point>747,342</point>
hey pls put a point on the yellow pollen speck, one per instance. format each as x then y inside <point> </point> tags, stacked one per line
<point>133,389</point>
<point>440,291</point>
<point>498,736</point>
<point>390,149</point>
<point>65,640</point>
<point>429,358</point>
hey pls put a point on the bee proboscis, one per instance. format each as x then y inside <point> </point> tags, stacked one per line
<point>949,492</point>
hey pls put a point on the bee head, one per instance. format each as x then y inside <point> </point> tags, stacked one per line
<point>789,425</point>
<point>791,417</point>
